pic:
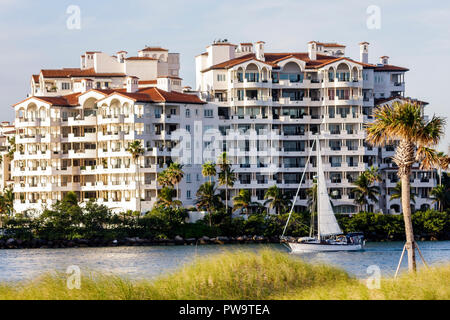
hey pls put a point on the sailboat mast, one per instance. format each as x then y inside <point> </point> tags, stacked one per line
<point>318,163</point>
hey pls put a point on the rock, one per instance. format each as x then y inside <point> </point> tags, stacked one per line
<point>10,241</point>
<point>191,240</point>
<point>205,238</point>
<point>179,239</point>
<point>223,239</point>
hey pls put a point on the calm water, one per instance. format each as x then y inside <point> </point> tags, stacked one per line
<point>149,262</point>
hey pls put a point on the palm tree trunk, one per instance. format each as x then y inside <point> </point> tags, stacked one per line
<point>139,186</point>
<point>226,197</point>
<point>406,205</point>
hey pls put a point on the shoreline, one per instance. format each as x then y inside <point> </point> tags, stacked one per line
<point>11,244</point>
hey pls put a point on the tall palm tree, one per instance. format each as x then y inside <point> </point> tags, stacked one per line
<point>166,198</point>
<point>226,175</point>
<point>276,199</point>
<point>136,150</point>
<point>364,190</point>
<point>440,195</point>
<point>175,174</point>
<point>209,170</point>
<point>397,193</point>
<point>243,201</point>
<point>312,204</point>
<point>208,199</point>
<point>405,123</point>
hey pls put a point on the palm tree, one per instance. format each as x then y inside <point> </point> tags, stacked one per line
<point>207,198</point>
<point>165,198</point>
<point>365,190</point>
<point>12,147</point>
<point>405,123</point>
<point>373,174</point>
<point>312,204</point>
<point>6,204</point>
<point>226,175</point>
<point>276,199</point>
<point>209,170</point>
<point>397,193</point>
<point>163,179</point>
<point>175,174</point>
<point>440,196</point>
<point>136,150</point>
<point>227,178</point>
<point>243,201</point>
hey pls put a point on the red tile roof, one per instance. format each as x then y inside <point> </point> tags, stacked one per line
<point>154,49</point>
<point>273,58</point>
<point>407,99</point>
<point>140,58</point>
<point>153,94</point>
<point>76,72</point>
<point>158,95</point>
<point>148,82</point>
<point>388,67</point>
<point>35,78</point>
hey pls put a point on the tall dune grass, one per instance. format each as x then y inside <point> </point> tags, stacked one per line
<point>266,274</point>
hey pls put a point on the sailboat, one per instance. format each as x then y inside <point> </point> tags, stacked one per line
<point>329,235</point>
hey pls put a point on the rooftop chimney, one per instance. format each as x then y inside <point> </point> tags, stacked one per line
<point>121,55</point>
<point>312,50</point>
<point>132,84</point>
<point>364,52</point>
<point>259,50</point>
<point>384,60</point>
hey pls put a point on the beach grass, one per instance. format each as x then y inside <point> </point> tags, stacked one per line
<point>266,274</point>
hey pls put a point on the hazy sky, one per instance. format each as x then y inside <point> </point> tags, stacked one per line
<point>415,34</point>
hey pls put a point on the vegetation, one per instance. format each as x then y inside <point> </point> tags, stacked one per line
<point>227,177</point>
<point>243,201</point>
<point>277,200</point>
<point>405,122</point>
<point>209,170</point>
<point>364,190</point>
<point>241,275</point>
<point>136,150</point>
<point>208,199</point>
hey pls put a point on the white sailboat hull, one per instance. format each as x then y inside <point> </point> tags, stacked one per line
<point>317,247</point>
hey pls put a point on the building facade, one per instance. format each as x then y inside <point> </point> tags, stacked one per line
<point>304,96</point>
<point>266,110</point>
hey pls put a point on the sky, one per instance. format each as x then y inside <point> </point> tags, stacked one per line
<point>414,34</point>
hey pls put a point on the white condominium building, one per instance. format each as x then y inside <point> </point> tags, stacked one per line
<point>72,134</point>
<point>99,70</point>
<point>302,96</point>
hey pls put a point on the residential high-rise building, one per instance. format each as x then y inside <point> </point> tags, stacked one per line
<point>73,132</point>
<point>302,96</point>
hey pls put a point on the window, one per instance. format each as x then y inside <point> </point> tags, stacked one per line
<point>188,113</point>
<point>188,128</point>
<point>221,77</point>
<point>188,194</point>
<point>208,113</point>
<point>65,86</point>
<point>173,111</point>
<point>188,178</point>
